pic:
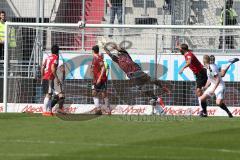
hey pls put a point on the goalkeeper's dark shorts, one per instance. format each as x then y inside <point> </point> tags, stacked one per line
<point>201,78</point>
<point>139,78</point>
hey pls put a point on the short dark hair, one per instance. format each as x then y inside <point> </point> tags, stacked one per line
<point>95,49</point>
<point>212,59</point>
<point>230,2</point>
<point>2,12</point>
<point>184,47</point>
<point>55,49</point>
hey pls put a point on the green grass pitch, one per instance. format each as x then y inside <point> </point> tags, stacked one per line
<point>33,137</point>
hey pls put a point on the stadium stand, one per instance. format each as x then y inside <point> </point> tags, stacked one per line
<point>189,12</point>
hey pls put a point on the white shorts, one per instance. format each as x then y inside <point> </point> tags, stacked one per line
<point>58,88</point>
<point>219,92</point>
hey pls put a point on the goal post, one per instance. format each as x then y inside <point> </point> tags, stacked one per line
<point>152,46</point>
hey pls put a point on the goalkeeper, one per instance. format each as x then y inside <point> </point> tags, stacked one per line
<point>134,73</point>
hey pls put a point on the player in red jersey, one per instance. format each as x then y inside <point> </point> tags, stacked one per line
<point>99,87</point>
<point>135,73</point>
<point>199,71</point>
<point>48,72</point>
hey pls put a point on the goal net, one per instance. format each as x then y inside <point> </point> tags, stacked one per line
<point>154,49</point>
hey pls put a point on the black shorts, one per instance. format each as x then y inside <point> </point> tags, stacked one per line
<point>52,87</point>
<point>47,86</point>
<point>100,88</point>
<point>201,78</point>
<point>139,78</point>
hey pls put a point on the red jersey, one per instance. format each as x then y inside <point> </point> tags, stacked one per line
<point>48,62</point>
<point>126,63</point>
<point>97,64</point>
<point>195,65</point>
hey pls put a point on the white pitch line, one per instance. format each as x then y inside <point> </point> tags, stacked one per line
<point>93,156</point>
<point>119,145</point>
<point>99,156</point>
<point>25,154</point>
<point>57,142</point>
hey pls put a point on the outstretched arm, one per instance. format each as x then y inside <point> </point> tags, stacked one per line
<point>109,3</point>
<point>224,71</point>
<point>186,65</point>
<point>113,57</point>
<point>118,48</point>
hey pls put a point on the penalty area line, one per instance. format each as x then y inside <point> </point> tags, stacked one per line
<point>223,150</point>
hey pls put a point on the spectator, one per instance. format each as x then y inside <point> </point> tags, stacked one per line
<point>12,37</point>
<point>2,28</point>
<point>115,9</point>
<point>167,5</point>
<point>229,19</point>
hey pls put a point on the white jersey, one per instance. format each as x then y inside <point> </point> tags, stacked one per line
<point>60,74</point>
<point>59,88</point>
<point>213,71</point>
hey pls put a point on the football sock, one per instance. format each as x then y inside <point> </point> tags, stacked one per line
<point>61,102</point>
<point>47,104</point>
<point>204,107</point>
<point>224,107</point>
<point>106,101</point>
<point>159,109</point>
<point>46,99</point>
<point>96,101</point>
<point>54,101</point>
<point>199,102</point>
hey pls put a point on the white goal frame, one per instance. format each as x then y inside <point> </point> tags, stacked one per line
<point>76,25</point>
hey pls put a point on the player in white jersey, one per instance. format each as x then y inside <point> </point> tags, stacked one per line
<point>223,71</point>
<point>58,95</point>
<point>215,85</point>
